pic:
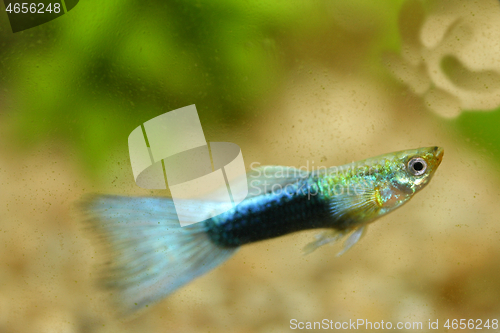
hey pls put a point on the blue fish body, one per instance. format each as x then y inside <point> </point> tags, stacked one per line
<point>297,207</point>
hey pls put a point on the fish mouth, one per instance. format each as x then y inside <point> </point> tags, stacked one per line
<point>438,154</point>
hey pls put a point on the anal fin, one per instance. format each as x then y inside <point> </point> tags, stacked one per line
<point>353,239</point>
<point>332,236</point>
<point>323,238</point>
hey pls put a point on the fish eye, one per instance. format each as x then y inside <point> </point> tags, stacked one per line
<point>417,166</point>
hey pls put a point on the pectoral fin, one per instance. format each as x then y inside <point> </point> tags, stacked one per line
<point>355,204</point>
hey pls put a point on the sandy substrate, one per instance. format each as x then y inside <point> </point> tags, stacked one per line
<point>434,259</point>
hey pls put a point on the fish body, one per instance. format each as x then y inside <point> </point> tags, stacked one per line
<point>151,255</point>
<point>339,198</point>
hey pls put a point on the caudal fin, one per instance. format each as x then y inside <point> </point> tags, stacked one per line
<point>149,254</point>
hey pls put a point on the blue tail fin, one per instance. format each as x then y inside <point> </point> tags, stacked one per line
<point>149,254</point>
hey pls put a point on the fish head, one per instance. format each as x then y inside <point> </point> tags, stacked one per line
<point>416,168</point>
<point>402,174</point>
<point>408,172</point>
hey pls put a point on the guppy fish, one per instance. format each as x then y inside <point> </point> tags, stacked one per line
<point>151,255</point>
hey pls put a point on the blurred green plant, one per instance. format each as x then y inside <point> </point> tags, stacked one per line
<point>91,76</point>
<point>480,129</point>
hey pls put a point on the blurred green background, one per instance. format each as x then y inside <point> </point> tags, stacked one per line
<point>290,82</point>
<point>90,77</point>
